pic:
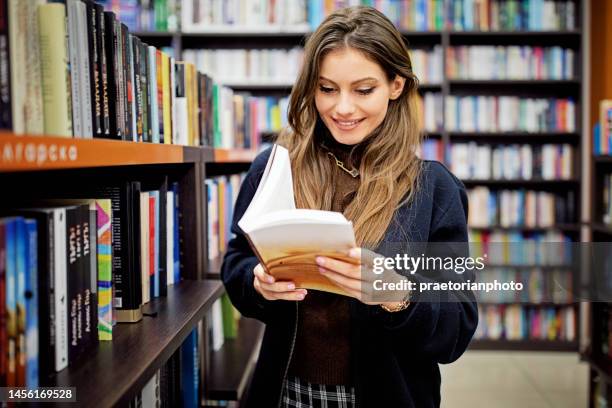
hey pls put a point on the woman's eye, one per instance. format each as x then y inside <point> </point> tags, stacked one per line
<point>326,89</point>
<point>366,91</point>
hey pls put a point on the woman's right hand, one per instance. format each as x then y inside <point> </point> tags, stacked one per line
<point>270,289</point>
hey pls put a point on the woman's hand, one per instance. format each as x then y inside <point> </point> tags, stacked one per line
<point>358,279</point>
<point>267,287</point>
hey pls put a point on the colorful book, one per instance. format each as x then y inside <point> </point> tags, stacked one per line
<point>105,271</point>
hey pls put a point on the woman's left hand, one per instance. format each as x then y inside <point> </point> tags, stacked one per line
<point>357,280</point>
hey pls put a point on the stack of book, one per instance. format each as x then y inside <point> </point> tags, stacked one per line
<point>248,65</point>
<point>427,64</point>
<point>511,15</point>
<point>148,15</point>
<point>509,62</point>
<point>430,106</point>
<point>511,162</point>
<point>509,114</point>
<point>416,15</point>
<point>519,208</point>
<point>204,15</point>
<point>177,382</point>
<point>221,194</point>
<point>526,322</point>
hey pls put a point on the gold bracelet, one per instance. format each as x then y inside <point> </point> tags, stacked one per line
<point>403,305</point>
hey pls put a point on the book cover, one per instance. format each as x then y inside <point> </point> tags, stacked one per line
<point>287,240</point>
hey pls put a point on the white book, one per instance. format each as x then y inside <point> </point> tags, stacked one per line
<point>170,238</point>
<point>217,326</point>
<point>282,236</point>
<point>144,247</point>
<point>73,47</point>
<point>61,289</point>
<point>84,73</point>
<point>149,398</point>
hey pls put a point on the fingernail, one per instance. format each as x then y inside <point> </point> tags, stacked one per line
<point>320,260</point>
<point>322,270</point>
<point>354,253</point>
<point>300,297</point>
<point>291,286</point>
<point>270,279</point>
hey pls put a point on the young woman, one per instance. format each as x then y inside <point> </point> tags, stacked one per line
<point>354,133</point>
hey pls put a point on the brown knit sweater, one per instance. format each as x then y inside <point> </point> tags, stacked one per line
<point>322,349</point>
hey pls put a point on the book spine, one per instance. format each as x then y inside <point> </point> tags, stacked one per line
<point>132,89</point>
<point>6,121</point>
<point>46,291</point>
<point>32,345</point>
<point>74,69</point>
<point>144,88</point>
<point>182,127</point>
<point>166,99</point>
<point>177,250</point>
<point>56,89</point>
<point>136,47</point>
<point>152,95</point>
<point>73,281</point>
<point>126,84</point>
<point>151,238</point>
<point>85,77</point>
<point>190,370</point>
<point>94,69</point>
<point>144,247</point>
<point>21,262</point>
<point>11,301</point>
<point>105,274</point>
<point>90,303</point>
<point>159,95</point>
<point>103,71</point>
<point>33,108</point>
<point>111,73</point>
<point>61,290</point>
<point>162,238</point>
<point>120,81</point>
<point>170,238</point>
<point>17,40</point>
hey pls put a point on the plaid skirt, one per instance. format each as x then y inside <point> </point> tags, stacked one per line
<point>298,394</point>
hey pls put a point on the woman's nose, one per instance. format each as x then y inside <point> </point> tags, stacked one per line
<point>345,106</point>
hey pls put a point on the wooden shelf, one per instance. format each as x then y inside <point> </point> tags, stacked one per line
<point>601,227</point>
<point>519,183</point>
<point>233,155</point>
<point>26,153</point>
<point>231,366</point>
<point>601,159</point>
<point>517,137</point>
<point>112,373</point>
<point>156,34</point>
<point>520,34</point>
<point>602,365</point>
<point>511,85</point>
<point>524,345</point>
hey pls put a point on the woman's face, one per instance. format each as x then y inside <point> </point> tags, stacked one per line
<point>353,94</point>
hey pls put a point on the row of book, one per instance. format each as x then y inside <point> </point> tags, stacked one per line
<point>539,286</point>
<point>511,162</point>
<point>221,194</point>
<point>509,114</point>
<point>521,322</point>
<point>427,64</point>
<point>147,15</point>
<point>207,15</point>
<point>248,65</point>
<point>71,268</point>
<point>519,208</point>
<point>551,248</point>
<point>222,323</point>
<point>602,133</point>
<point>430,106</point>
<point>177,382</point>
<point>100,81</point>
<point>607,199</point>
<point>431,149</point>
<point>509,62</point>
<point>511,15</point>
<point>409,15</point>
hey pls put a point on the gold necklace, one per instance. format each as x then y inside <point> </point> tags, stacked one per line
<point>353,172</point>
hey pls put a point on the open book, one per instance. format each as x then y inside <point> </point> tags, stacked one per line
<point>287,240</point>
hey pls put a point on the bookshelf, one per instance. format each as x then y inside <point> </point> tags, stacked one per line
<point>138,350</point>
<point>232,37</point>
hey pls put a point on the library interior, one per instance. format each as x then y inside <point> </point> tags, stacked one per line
<point>146,117</point>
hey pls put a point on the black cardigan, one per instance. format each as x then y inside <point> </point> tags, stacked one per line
<point>394,356</point>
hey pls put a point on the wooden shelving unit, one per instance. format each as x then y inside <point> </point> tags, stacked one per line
<point>115,370</point>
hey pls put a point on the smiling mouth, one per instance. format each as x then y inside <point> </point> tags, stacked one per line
<point>347,124</point>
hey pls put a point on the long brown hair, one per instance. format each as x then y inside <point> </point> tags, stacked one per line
<point>389,167</point>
